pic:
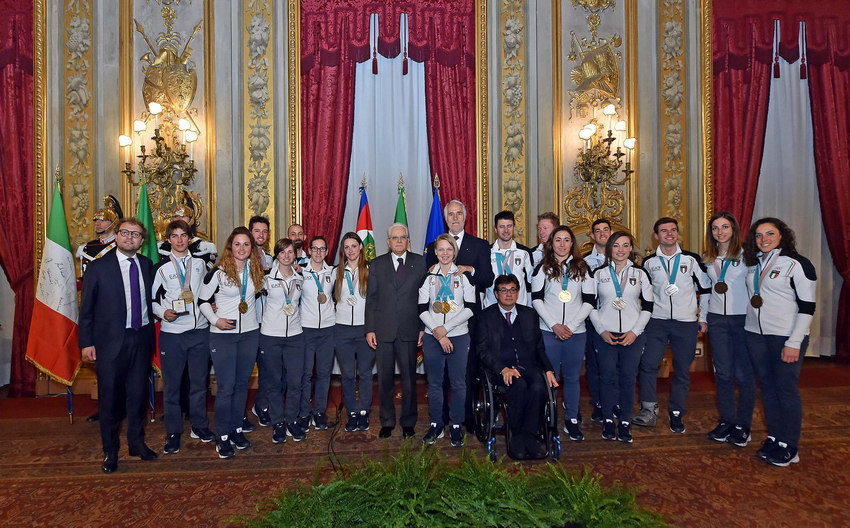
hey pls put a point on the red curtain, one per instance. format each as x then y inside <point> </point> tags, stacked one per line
<point>335,36</point>
<point>828,54</point>
<point>742,63</point>
<point>16,179</point>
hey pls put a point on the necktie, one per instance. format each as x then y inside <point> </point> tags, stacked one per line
<point>456,237</point>
<point>508,317</point>
<point>135,297</point>
<point>399,272</point>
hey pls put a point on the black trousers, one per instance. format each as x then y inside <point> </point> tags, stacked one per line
<point>122,389</point>
<point>386,355</point>
<point>526,396</point>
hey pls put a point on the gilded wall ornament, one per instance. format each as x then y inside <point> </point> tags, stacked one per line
<point>672,119</point>
<point>513,112</point>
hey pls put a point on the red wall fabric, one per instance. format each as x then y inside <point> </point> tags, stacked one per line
<point>16,179</point>
<point>335,36</point>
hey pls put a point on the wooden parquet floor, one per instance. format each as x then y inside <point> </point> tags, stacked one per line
<point>50,470</point>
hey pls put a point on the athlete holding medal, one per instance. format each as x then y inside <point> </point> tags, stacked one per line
<point>563,296</point>
<point>282,342</point>
<point>446,299</point>
<point>354,354</point>
<point>625,296</point>
<point>782,286</point>
<point>234,282</point>
<point>722,315</point>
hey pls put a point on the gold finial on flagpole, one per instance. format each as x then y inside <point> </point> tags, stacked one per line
<point>436,181</point>
<point>400,183</point>
<point>363,183</point>
<point>57,175</point>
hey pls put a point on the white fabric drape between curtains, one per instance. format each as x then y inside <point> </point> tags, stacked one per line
<point>390,137</point>
<point>787,190</point>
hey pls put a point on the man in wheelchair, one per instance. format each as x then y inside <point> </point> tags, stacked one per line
<point>510,346</point>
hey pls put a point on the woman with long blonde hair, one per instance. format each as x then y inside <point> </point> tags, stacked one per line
<point>234,283</point>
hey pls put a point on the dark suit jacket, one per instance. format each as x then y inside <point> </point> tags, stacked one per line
<point>474,252</point>
<point>392,311</point>
<point>103,311</point>
<point>490,330</point>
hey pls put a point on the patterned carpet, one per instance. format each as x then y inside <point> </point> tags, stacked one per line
<point>50,470</point>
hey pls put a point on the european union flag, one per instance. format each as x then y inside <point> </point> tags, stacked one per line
<point>436,227</point>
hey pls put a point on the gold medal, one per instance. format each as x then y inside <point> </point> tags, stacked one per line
<point>756,301</point>
<point>437,307</point>
<point>619,303</point>
<point>565,296</point>
<point>243,307</point>
<point>721,287</point>
<point>453,306</point>
<point>322,298</point>
<point>187,296</point>
<point>288,309</point>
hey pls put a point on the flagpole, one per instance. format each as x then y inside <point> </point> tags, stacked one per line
<point>70,396</point>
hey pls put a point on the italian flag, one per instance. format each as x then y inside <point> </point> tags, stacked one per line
<point>52,345</point>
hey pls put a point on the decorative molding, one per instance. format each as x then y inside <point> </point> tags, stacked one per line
<point>42,184</point>
<point>672,121</point>
<point>514,129</point>
<point>209,117</point>
<point>293,16</point>
<point>631,92</point>
<point>126,91</point>
<point>707,88</point>
<point>258,114</point>
<point>482,119</point>
<point>557,110</point>
<point>79,123</point>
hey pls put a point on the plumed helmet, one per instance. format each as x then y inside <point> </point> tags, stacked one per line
<point>111,211</point>
<point>185,207</point>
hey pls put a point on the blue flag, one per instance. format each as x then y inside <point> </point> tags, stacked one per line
<point>436,227</point>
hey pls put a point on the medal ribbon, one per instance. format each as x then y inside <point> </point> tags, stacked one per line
<point>348,280</point>
<point>318,282</point>
<point>760,274</point>
<point>722,272</point>
<point>245,281</point>
<point>288,289</point>
<point>566,280</point>
<point>619,283</point>
<point>185,278</point>
<point>672,277</point>
<point>503,262</point>
<point>445,291</point>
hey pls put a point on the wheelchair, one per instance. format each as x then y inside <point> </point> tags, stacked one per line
<point>490,412</point>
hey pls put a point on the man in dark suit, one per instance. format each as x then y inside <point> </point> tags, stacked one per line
<point>510,346</point>
<point>473,259</point>
<point>116,331</point>
<point>393,327</point>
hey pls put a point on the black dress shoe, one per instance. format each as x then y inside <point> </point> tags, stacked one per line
<point>535,448</point>
<point>93,418</point>
<point>407,432</point>
<point>110,463</point>
<point>517,447</point>
<point>143,452</point>
<point>385,432</point>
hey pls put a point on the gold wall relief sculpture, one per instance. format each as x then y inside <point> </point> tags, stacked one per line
<point>707,82</point>
<point>258,113</point>
<point>514,129</point>
<point>42,184</point>
<point>78,118</point>
<point>672,121</point>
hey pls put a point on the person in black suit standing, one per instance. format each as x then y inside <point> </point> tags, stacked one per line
<point>393,327</point>
<point>473,260</point>
<point>510,347</point>
<point>116,331</point>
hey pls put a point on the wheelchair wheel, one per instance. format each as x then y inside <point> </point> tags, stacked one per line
<point>482,411</point>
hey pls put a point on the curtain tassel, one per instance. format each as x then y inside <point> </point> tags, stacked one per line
<point>776,69</point>
<point>803,35</point>
<point>374,65</point>
<point>404,65</point>
<point>803,74</point>
<point>776,43</point>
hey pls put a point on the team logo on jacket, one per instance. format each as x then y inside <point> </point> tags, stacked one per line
<point>736,262</point>
<point>517,261</point>
<point>632,280</point>
<point>774,273</point>
<point>683,268</point>
<point>328,279</point>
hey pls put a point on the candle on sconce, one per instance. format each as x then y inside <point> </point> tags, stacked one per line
<point>184,125</point>
<point>629,143</point>
<point>139,127</point>
<point>620,129</point>
<point>125,142</point>
<point>585,134</point>
<point>155,109</point>
<point>191,137</point>
<point>610,110</point>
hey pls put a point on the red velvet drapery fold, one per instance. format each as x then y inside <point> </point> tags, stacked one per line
<point>16,179</point>
<point>829,91</point>
<point>335,36</point>
<point>741,94</point>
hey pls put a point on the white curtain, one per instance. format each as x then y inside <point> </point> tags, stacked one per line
<point>787,190</point>
<point>390,137</point>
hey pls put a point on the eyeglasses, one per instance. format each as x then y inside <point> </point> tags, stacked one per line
<point>130,234</point>
<point>314,248</point>
<point>508,290</point>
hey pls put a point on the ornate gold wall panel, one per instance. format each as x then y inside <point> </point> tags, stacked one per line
<point>258,109</point>
<point>483,118</point>
<point>78,118</point>
<point>40,205</point>
<point>557,110</point>
<point>672,120</point>
<point>631,89</point>
<point>209,115</point>
<point>293,47</point>
<point>707,82</point>
<point>514,129</point>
